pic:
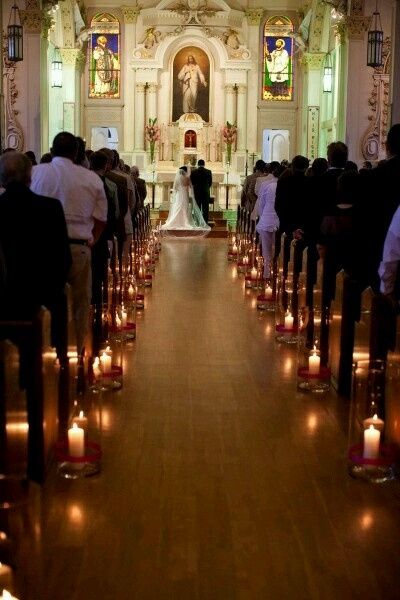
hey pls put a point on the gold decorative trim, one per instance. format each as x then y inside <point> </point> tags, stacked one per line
<point>254,15</point>
<point>313,60</point>
<point>130,13</point>
<point>373,141</point>
<point>356,26</point>
<point>72,56</point>
<point>32,20</point>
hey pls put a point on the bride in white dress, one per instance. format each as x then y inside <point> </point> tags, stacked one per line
<point>184,213</point>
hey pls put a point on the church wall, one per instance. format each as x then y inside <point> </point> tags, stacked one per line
<point>360,106</point>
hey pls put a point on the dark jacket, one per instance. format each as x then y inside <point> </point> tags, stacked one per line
<point>34,241</point>
<point>201,179</point>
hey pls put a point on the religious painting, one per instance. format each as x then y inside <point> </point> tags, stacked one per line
<point>190,139</point>
<point>278,60</point>
<point>104,57</point>
<point>191,83</point>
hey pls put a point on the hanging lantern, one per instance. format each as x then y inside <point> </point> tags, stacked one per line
<point>15,36</point>
<point>56,69</point>
<point>327,80</point>
<point>375,41</point>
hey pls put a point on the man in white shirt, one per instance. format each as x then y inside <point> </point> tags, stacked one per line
<point>82,196</point>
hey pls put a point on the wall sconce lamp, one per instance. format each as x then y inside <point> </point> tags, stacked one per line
<point>15,36</point>
<point>327,79</point>
<point>375,41</point>
<point>56,69</point>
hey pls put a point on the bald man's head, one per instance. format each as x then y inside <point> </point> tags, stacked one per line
<point>15,167</point>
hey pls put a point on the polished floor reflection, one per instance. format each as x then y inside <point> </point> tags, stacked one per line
<point>219,480</point>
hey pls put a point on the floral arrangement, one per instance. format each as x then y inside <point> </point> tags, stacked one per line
<point>229,134</point>
<point>152,132</point>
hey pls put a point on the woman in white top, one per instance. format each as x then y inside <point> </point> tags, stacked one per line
<point>268,220</point>
<point>184,213</point>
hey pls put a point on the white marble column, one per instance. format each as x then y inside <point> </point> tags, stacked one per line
<point>139,116</point>
<point>242,117</point>
<point>254,16</point>
<point>229,103</point>
<point>357,26</point>
<point>128,82</point>
<point>151,101</point>
<point>313,62</point>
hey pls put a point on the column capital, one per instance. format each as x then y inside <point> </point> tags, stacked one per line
<point>130,13</point>
<point>34,19</point>
<point>241,89</point>
<point>72,57</point>
<point>140,88</point>
<point>229,88</point>
<point>254,15</point>
<point>313,60</point>
<point>152,88</point>
<point>356,26</point>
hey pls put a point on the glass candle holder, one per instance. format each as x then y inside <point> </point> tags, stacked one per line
<point>312,374</point>
<point>78,452</point>
<point>370,458</point>
<point>110,365</point>
<point>266,300</point>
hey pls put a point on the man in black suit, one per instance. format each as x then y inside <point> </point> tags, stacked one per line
<point>202,181</point>
<point>34,241</point>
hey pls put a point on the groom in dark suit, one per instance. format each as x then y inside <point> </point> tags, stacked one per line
<point>202,181</point>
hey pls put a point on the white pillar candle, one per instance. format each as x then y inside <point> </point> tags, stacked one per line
<point>234,249</point>
<point>7,596</point>
<point>314,362</point>
<point>76,441</point>
<point>146,258</point>
<point>288,320</point>
<point>131,292</point>
<point>141,273</point>
<point>105,362</point>
<point>96,368</point>
<point>246,260</point>
<point>378,423</point>
<point>118,321</point>
<point>81,421</point>
<point>5,576</point>
<point>253,274</point>
<point>268,292</point>
<point>371,442</point>
<point>124,319</point>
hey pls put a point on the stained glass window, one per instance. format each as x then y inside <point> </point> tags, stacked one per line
<point>278,59</point>
<point>104,57</point>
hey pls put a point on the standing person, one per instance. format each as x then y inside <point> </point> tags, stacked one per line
<point>141,189</point>
<point>184,214</point>
<point>190,76</point>
<point>248,197</point>
<point>268,223</point>
<point>101,249</point>
<point>81,193</point>
<point>36,252</point>
<point>201,179</point>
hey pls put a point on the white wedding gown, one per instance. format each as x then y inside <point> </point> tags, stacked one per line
<point>184,213</point>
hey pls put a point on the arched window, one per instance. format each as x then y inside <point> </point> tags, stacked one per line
<point>104,57</point>
<point>278,59</point>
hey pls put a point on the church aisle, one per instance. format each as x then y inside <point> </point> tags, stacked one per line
<point>219,481</point>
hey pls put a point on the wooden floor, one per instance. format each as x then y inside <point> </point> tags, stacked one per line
<point>219,480</point>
